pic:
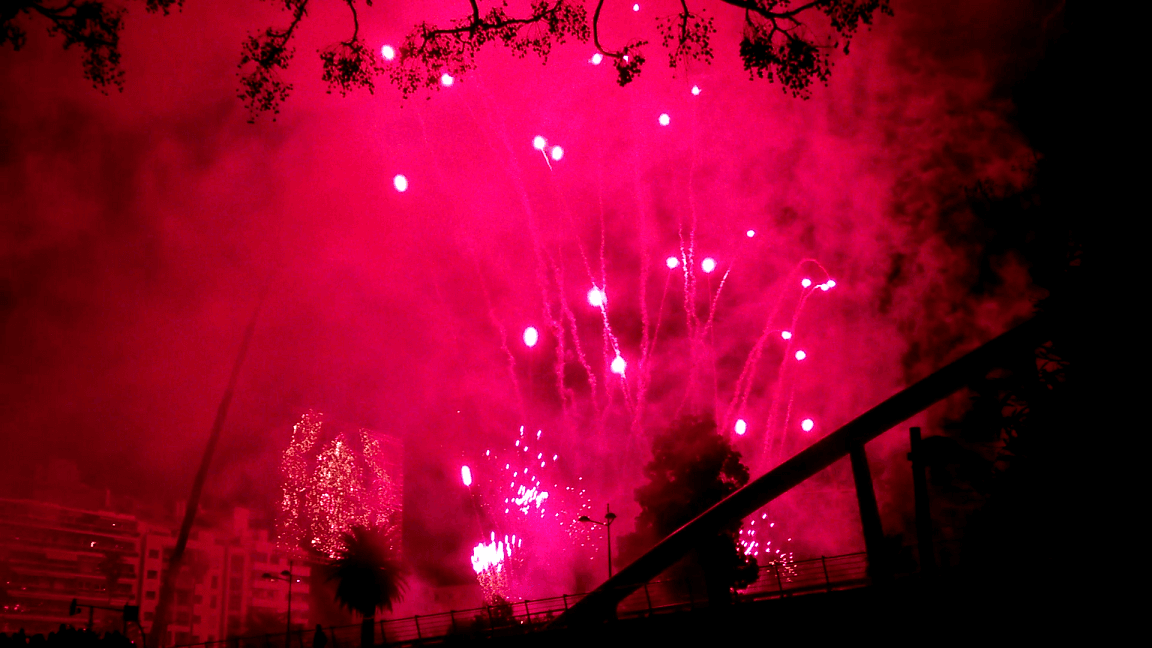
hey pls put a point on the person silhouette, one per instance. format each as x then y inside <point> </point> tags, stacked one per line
<point>321,639</point>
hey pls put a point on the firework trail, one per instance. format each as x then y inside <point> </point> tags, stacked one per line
<point>517,496</point>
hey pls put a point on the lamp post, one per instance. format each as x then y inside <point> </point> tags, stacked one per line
<point>285,575</point>
<point>609,518</point>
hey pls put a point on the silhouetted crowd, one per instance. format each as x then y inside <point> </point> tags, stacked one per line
<point>65,637</point>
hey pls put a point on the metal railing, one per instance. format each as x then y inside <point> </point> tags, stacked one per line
<point>774,580</point>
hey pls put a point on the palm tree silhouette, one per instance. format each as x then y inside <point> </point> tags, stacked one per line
<point>368,577</point>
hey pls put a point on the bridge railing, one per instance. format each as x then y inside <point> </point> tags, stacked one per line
<point>848,441</point>
<point>788,578</point>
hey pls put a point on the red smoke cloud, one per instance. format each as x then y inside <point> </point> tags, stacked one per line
<point>140,227</point>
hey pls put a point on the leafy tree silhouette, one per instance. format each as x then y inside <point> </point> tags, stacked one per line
<point>785,41</point>
<point>368,576</point>
<point>693,466</point>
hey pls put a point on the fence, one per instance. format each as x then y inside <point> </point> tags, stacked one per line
<point>822,574</point>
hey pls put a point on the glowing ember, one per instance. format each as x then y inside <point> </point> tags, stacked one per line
<point>830,283</point>
<point>636,7</point>
<point>446,80</point>
<point>672,262</point>
<point>751,233</point>
<point>741,427</point>
<point>401,183</point>
<point>800,355</point>
<point>557,153</point>
<point>805,282</point>
<point>618,365</point>
<point>807,425</point>
<point>596,297</point>
<point>531,336</point>
<point>388,52</point>
<point>466,475</point>
<point>787,335</point>
<point>664,119</point>
<point>539,142</point>
<point>597,58</point>
<point>708,265</point>
<point>695,90</point>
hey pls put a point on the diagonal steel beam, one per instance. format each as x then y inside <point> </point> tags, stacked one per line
<point>600,604</point>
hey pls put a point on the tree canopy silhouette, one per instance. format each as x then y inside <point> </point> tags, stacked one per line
<point>784,41</point>
<point>693,466</point>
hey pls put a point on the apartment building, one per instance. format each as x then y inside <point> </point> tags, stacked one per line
<point>232,583</point>
<point>51,554</point>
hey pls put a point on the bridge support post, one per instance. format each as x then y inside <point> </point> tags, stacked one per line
<point>923,512</point>
<point>869,515</point>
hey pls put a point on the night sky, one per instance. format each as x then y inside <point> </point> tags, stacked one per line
<point>139,230</point>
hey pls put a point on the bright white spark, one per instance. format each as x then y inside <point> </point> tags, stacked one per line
<point>695,90</point>
<point>751,233</point>
<point>388,52</point>
<point>539,142</point>
<point>618,365</point>
<point>466,475</point>
<point>664,119</point>
<point>741,427</point>
<point>787,335</point>
<point>596,297</point>
<point>800,355</point>
<point>446,80</point>
<point>597,58</point>
<point>531,336</point>
<point>708,265</point>
<point>807,425</point>
<point>805,282</point>
<point>672,262</point>
<point>557,153</point>
<point>400,182</point>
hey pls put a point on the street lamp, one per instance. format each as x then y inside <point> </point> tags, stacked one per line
<point>285,575</point>
<point>609,518</point>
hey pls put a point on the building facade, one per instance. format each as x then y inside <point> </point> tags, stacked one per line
<point>51,554</point>
<point>232,583</point>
